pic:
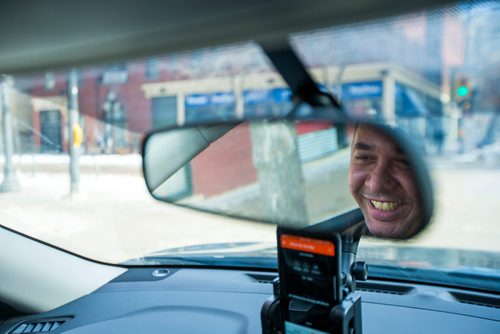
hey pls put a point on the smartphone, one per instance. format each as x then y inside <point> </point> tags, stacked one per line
<point>310,279</point>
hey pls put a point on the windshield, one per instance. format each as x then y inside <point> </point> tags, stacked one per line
<point>71,140</point>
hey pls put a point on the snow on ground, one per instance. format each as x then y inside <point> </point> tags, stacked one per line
<point>113,217</point>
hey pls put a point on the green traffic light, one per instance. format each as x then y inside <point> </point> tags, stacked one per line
<point>462,91</point>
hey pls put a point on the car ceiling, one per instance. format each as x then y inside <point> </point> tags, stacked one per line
<point>52,34</point>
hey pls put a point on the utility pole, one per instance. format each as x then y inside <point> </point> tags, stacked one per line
<point>74,132</point>
<point>110,107</point>
<point>10,182</point>
<point>341,128</point>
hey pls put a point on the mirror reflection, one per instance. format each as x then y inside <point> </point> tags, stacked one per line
<point>285,172</point>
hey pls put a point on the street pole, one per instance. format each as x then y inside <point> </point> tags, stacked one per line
<point>10,182</point>
<point>282,186</point>
<point>74,168</point>
<point>113,126</point>
<point>388,97</point>
<point>341,128</point>
<point>109,108</point>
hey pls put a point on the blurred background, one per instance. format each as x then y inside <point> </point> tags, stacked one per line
<point>71,140</point>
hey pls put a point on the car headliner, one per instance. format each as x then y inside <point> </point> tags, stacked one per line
<point>53,34</point>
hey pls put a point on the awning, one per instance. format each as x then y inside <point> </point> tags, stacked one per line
<point>409,103</point>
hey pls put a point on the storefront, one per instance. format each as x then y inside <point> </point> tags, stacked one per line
<point>372,91</point>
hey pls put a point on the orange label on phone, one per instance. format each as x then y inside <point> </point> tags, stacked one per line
<point>308,245</point>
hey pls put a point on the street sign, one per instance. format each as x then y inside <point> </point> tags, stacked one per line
<point>77,136</point>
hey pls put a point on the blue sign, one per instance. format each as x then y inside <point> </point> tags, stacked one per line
<point>206,100</point>
<point>262,96</point>
<point>358,90</point>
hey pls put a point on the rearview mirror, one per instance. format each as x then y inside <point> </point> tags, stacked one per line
<point>293,173</point>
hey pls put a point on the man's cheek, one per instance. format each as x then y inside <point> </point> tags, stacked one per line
<point>350,182</point>
<point>355,194</point>
<point>355,181</point>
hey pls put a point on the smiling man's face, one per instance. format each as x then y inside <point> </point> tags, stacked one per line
<point>382,183</point>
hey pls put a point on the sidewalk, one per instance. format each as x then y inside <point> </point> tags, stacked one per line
<point>475,159</point>
<point>59,163</point>
<point>113,217</point>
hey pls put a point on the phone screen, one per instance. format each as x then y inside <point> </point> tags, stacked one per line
<point>310,279</point>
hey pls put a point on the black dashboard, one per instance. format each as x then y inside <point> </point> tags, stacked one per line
<point>152,300</point>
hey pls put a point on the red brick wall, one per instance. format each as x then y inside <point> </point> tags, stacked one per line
<point>92,96</point>
<point>137,106</point>
<point>305,127</point>
<point>225,165</point>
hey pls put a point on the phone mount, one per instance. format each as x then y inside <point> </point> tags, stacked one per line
<point>345,316</point>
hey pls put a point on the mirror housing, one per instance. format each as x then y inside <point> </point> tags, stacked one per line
<point>265,171</point>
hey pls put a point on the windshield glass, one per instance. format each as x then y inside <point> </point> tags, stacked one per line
<point>435,75</point>
<point>101,208</point>
<point>71,166</point>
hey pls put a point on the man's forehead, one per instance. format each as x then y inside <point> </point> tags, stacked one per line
<point>370,138</point>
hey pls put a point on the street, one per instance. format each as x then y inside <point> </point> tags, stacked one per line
<point>113,218</point>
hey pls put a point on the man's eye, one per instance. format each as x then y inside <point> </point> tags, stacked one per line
<point>363,157</point>
<point>403,163</point>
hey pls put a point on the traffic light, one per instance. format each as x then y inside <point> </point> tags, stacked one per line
<point>462,88</point>
<point>463,93</point>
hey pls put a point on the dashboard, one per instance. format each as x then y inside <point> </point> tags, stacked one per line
<point>192,300</point>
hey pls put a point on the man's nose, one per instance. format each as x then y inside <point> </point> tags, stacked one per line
<point>379,179</point>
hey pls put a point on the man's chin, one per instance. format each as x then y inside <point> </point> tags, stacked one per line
<point>390,230</point>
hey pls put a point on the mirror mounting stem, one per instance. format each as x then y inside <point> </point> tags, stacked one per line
<point>350,226</point>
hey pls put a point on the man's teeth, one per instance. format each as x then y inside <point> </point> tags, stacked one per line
<point>385,206</point>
